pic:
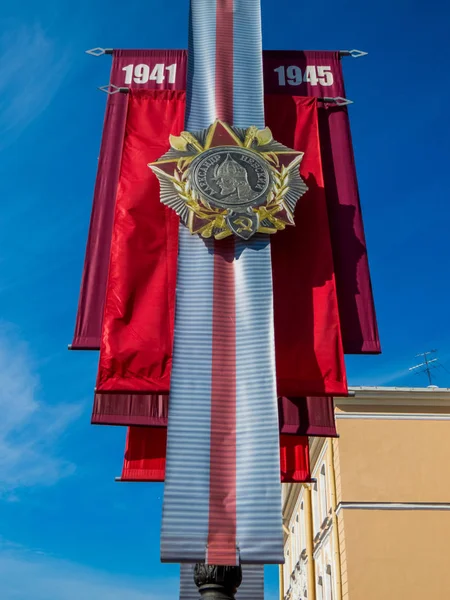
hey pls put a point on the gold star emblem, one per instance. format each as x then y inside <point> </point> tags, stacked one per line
<point>225,180</point>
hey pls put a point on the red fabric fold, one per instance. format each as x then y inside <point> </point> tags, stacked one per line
<point>145,456</point>
<point>285,72</point>
<point>294,459</point>
<point>130,409</point>
<point>307,416</point>
<point>93,282</point>
<point>296,416</point>
<point>137,336</point>
<point>308,342</point>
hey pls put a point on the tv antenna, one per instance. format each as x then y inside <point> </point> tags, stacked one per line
<point>427,365</point>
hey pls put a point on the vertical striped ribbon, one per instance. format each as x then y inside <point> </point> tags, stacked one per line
<point>222,498</point>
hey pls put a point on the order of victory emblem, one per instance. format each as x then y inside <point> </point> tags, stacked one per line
<point>225,180</point>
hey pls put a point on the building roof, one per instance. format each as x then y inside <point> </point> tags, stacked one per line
<point>363,394</point>
<point>370,388</point>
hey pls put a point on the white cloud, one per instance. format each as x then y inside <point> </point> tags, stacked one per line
<point>32,575</point>
<point>28,426</point>
<point>31,71</point>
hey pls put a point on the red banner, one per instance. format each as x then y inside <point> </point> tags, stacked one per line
<point>130,409</point>
<point>285,72</point>
<point>308,344</point>
<point>294,459</point>
<point>145,456</point>
<point>320,74</point>
<point>93,283</point>
<point>136,348</point>
<point>138,318</point>
<point>307,416</point>
<point>296,416</point>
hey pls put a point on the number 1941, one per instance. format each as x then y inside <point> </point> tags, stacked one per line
<point>141,73</point>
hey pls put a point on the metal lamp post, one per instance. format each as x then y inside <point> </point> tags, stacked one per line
<point>217,582</point>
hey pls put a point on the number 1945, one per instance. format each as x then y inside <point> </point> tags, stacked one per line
<point>313,75</point>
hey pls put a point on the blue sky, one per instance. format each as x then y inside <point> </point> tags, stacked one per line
<point>66,529</point>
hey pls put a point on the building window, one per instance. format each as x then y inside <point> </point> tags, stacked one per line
<point>294,546</point>
<point>302,529</point>
<point>323,494</point>
<point>320,594</point>
<point>329,584</point>
<point>316,510</point>
<point>287,571</point>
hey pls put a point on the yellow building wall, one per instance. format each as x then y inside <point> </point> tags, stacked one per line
<point>343,556</point>
<point>396,555</point>
<point>382,460</point>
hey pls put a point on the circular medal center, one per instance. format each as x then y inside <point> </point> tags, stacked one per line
<point>230,177</point>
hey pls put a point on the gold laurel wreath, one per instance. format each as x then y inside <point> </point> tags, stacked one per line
<point>216,217</point>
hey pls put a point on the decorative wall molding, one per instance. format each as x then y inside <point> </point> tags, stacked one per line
<point>317,450</point>
<point>322,537</point>
<point>393,416</point>
<point>396,396</point>
<point>392,506</point>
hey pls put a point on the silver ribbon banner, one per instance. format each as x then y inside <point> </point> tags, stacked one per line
<point>222,497</point>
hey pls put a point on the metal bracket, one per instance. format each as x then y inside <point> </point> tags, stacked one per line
<point>357,53</point>
<point>353,53</point>
<point>338,101</point>
<point>99,51</point>
<point>113,89</point>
